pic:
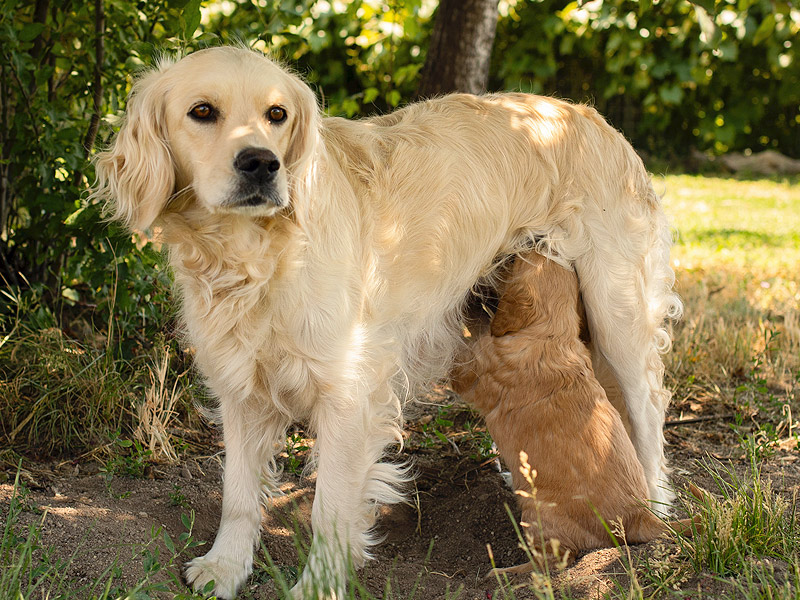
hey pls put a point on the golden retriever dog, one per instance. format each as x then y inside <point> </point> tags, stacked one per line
<point>323,264</point>
<point>531,377</point>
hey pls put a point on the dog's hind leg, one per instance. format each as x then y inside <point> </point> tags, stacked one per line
<point>250,445</point>
<point>627,296</point>
<point>352,434</point>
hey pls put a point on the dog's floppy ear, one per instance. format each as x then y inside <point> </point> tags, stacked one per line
<point>304,135</point>
<point>136,176</point>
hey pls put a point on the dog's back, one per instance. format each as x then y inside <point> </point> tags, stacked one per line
<point>532,378</point>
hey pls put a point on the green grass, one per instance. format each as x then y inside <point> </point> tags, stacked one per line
<point>745,224</point>
<point>736,258</point>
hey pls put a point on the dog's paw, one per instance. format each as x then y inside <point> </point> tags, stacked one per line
<point>661,498</point>
<point>303,591</point>
<point>227,575</point>
<point>320,581</point>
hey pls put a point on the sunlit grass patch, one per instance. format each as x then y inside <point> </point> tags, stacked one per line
<point>737,261</point>
<point>749,522</point>
<point>749,226</point>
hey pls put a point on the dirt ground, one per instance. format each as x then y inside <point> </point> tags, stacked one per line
<point>436,543</point>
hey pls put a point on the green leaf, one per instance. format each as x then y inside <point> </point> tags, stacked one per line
<point>729,51</point>
<point>671,94</point>
<point>73,217</point>
<point>644,6</point>
<point>393,98</point>
<point>191,15</point>
<point>30,31</point>
<point>70,294</point>
<point>711,34</point>
<point>764,30</point>
<point>370,94</point>
<point>168,543</point>
<point>709,6</point>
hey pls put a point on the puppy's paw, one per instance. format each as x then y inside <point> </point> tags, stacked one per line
<point>228,575</point>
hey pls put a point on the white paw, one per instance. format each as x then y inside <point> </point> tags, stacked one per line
<point>228,575</point>
<point>321,580</point>
<point>304,590</point>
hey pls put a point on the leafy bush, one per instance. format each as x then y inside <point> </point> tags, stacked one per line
<point>670,73</point>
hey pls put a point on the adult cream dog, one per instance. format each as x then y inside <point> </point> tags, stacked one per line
<point>323,264</point>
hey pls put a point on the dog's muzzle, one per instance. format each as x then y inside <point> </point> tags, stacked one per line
<point>257,170</point>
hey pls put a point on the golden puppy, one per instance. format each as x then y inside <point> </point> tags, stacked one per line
<point>531,377</point>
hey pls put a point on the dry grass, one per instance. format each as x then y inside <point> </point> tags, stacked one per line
<point>158,410</point>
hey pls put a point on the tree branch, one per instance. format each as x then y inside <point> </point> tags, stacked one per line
<point>99,59</point>
<point>97,84</point>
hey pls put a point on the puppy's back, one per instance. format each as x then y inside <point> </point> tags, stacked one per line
<point>532,379</point>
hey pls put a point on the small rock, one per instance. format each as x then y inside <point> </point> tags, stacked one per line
<point>185,472</point>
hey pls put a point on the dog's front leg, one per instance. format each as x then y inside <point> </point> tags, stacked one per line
<point>249,444</point>
<point>351,482</point>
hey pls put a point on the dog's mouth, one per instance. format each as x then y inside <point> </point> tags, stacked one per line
<point>258,201</point>
<point>254,200</point>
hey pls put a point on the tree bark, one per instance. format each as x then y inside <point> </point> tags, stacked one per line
<point>460,48</point>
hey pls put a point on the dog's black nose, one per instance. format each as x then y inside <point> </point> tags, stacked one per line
<point>257,164</point>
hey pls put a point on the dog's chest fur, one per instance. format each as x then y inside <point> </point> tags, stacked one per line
<point>241,294</point>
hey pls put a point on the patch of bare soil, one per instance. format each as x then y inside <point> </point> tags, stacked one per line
<point>436,544</point>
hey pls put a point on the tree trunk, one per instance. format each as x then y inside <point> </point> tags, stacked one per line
<point>460,48</point>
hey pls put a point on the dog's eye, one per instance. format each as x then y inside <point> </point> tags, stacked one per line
<point>203,112</point>
<point>276,114</point>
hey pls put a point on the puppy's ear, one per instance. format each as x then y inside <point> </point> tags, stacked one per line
<point>514,311</point>
<point>520,302</point>
<point>304,136</point>
<point>136,176</point>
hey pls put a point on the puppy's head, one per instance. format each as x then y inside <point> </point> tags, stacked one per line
<point>224,128</point>
<point>538,291</point>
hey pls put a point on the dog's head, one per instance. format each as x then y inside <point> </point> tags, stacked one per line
<point>225,128</point>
